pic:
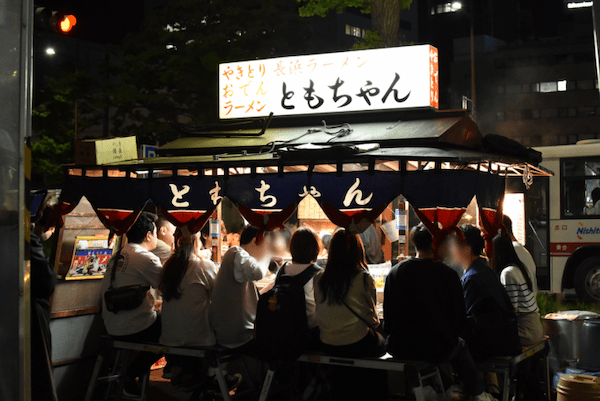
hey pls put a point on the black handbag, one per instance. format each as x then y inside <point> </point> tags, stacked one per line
<point>123,298</point>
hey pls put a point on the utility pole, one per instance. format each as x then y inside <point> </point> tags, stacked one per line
<point>595,18</point>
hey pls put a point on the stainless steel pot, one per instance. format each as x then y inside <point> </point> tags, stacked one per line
<point>590,346</point>
<point>564,332</point>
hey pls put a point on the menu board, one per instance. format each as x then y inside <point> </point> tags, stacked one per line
<point>90,257</point>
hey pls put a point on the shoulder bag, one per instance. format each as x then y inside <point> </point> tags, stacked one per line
<point>123,298</point>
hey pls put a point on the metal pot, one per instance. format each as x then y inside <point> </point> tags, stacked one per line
<point>564,332</point>
<point>590,346</point>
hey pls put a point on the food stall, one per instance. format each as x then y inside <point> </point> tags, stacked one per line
<point>353,164</point>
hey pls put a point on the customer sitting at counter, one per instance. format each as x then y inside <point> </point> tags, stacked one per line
<point>135,265</point>
<point>186,284</point>
<point>304,248</point>
<point>424,315</point>
<point>346,313</point>
<point>165,232</point>
<point>491,322</point>
<point>514,276</point>
<point>235,296</point>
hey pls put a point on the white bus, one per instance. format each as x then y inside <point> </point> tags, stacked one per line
<point>562,226</point>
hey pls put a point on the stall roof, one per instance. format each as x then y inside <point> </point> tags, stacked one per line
<point>399,130</point>
<point>439,162</point>
<point>449,136</point>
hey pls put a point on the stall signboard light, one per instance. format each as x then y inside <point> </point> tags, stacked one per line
<point>580,4</point>
<point>365,80</point>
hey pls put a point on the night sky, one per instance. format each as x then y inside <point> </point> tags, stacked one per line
<point>108,21</point>
<point>100,21</point>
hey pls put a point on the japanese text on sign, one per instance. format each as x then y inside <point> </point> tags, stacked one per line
<point>402,77</point>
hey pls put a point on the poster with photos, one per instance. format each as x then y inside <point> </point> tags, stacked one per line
<point>90,257</point>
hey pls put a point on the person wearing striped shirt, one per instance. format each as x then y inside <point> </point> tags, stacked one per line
<point>515,278</point>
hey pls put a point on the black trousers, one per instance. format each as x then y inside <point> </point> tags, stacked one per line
<point>463,365</point>
<point>142,362</point>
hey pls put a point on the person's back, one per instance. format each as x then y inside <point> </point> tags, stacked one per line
<point>185,319</point>
<point>491,322</point>
<point>233,305</point>
<point>338,322</point>
<point>285,319</point>
<point>514,276</point>
<point>139,267</point>
<point>482,289</point>
<point>134,264</point>
<point>424,310</point>
<point>235,297</point>
<point>522,253</point>
<point>346,313</point>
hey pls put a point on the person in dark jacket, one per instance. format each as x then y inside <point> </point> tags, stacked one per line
<point>43,282</point>
<point>491,322</point>
<point>424,314</point>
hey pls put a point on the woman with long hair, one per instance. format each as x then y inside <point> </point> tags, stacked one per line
<point>514,276</point>
<point>186,284</point>
<point>346,312</point>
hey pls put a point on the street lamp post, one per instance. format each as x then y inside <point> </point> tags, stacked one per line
<point>473,90</point>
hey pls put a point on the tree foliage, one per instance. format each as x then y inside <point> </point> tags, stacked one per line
<point>53,122</point>
<point>385,17</point>
<point>169,70</point>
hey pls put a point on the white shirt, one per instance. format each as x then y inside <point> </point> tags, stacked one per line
<point>185,320</point>
<point>522,298</point>
<point>525,257</point>
<point>140,267</point>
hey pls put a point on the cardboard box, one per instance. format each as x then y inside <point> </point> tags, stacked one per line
<point>103,151</point>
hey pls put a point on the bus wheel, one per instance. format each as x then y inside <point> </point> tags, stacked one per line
<point>587,280</point>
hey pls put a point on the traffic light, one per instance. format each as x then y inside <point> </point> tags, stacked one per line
<point>57,21</point>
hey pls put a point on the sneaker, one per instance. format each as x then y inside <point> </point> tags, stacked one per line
<point>131,389</point>
<point>233,381</point>
<point>456,393</point>
<point>483,397</point>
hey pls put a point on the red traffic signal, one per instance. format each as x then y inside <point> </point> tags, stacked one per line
<point>66,23</point>
<point>57,21</point>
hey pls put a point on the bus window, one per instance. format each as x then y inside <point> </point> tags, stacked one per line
<point>580,177</point>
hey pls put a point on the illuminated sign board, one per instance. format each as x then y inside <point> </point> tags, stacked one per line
<point>362,80</point>
<point>580,4</point>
